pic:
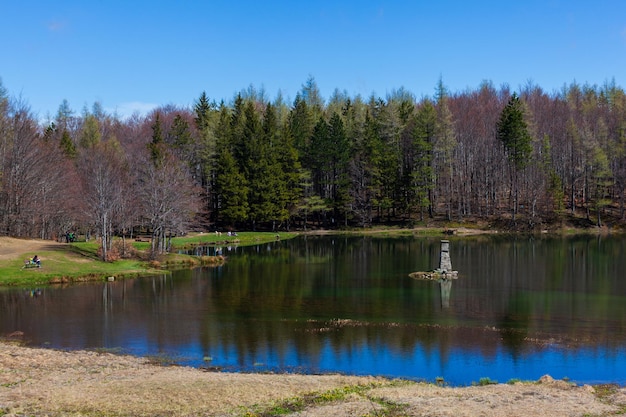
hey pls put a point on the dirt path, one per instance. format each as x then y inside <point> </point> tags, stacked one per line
<point>45,382</point>
<point>11,248</point>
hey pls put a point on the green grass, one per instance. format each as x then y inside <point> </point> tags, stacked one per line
<point>65,265</point>
<point>485,381</point>
<point>242,239</point>
<point>79,261</point>
<point>311,399</point>
<point>316,399</point>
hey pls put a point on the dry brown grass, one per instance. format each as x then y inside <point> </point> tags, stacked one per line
<point>11,248</point>
<point>45,382</point>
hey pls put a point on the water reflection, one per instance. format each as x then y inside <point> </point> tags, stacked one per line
<point>443,274</point>
<point>520,309</point>
<point>446,287</point>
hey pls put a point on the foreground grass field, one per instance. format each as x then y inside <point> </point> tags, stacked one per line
<point>78,261</point>
<point>46,382</point>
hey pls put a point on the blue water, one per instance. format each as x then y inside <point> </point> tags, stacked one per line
<point>520,309</point>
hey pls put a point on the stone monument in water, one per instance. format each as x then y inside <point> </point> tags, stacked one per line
<point>445,266</point>
<point>443,275</point>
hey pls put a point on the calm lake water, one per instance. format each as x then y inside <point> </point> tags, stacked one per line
<point>520,308</point>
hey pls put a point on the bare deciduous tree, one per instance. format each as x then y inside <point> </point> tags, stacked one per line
<point>168,199</point>
<point>104,170</point>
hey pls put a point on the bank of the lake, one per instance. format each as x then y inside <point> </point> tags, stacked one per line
<point>35,381</point>
<point>63,263</point>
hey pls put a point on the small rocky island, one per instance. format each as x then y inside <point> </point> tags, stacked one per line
<point>444,272</point>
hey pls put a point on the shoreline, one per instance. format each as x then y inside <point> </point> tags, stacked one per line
<point>64,263</point>
<point>40,381</point>
<point>52,382</point>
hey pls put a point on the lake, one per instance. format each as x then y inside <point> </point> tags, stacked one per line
<point>522,307</point>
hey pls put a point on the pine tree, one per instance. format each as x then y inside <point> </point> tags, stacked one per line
<point>423,136</point>
<point>301,125</point>
<point>288,158</point>
<point>180,133</point>
<point>512,131</point>
<point>340,157</point>
<point>90,132</point>
<point>232,190</point>
<point>266,186</point>
<point>205,116</point>
<point>203,110</point>
<point>157,146</point>
<point>67,145</point>
<point>318,156</point>
<point>443,148</point>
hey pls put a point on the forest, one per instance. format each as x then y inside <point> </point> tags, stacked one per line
<point>523,160</point>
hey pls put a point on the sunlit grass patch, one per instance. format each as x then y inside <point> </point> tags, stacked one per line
<point>320,398</point>
<point>80,261</point>
<point>485,381</point>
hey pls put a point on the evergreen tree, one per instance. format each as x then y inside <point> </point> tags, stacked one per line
<point>312,96</point>
<point>301,125</point>
<point>157,146</point>
<point>267,188</point>
<point>600,181</point>
<point>318,158</point>
<point>554,188</point>
<point>512,131</point>
<point>203,111</point>
<point>417,138</point>
<point>423,136</point>
<point>49,133</point>
<point>232,190</point>
<point>90,132</point>
<point>211,161</point>
<point>311,203</point>
<point>205,115</point>
<point>67,145</point>
<point>385,129</point>
<point>340,157</point>
<point>244,124</point>
<point>367,187</point>
<point>288,159</point>
<point>443,148</point>
<point>182,142</point>
<point>180,134</point>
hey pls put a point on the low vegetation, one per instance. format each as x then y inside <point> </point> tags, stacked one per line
<point>79,261</point>
<point>38,382</point>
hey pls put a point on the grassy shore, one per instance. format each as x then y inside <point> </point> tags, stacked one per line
<point>79,261</point>
<point>38,382</point>
<point>47,382</point>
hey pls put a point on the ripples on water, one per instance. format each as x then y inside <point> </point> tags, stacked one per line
<point>520,308</point>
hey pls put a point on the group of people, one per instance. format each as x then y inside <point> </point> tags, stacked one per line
<point>34,261</point>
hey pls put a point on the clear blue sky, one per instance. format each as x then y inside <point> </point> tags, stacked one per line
<point>135,54</point>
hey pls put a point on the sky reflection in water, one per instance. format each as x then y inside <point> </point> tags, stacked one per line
<point>521,308</point>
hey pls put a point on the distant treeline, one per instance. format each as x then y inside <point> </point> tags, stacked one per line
<point>527,157</point>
